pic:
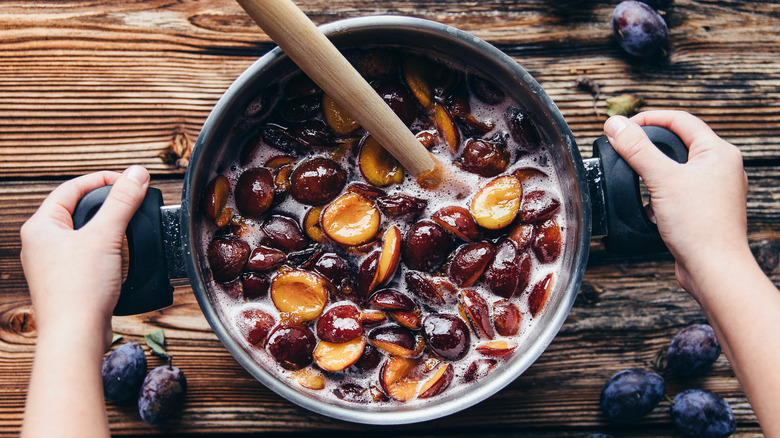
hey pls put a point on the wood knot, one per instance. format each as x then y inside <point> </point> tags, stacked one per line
<point>589,294</point>
<point>767,255</point>
<point>22,323</point>
<point>178,152</point>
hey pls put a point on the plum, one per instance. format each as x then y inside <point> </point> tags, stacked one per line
<point>631,394</point>
<point>639,29</point>
<point>123,372</point>
<point>702,414</point>
<point>162,394</point>
<point>693,350</point>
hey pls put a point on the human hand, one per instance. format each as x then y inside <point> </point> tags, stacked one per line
<point>75,275</point>
<point>699,206</point>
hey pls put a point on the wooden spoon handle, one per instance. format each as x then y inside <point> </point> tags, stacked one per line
<point>308,47</point>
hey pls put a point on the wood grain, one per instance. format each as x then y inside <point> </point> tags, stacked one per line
<point>92,84</point>
<point>627,312</point>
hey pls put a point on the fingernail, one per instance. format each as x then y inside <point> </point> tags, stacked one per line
<point>138,174</point>
<point>614,125</point>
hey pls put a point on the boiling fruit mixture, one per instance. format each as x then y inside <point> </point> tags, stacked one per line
<point>343,277</point>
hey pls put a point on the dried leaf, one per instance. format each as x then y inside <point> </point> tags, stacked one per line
<point>115,337</point>
<point>156,341</point>
<point>624,105</point>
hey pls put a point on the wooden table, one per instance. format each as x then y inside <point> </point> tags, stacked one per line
<point>97,84</point>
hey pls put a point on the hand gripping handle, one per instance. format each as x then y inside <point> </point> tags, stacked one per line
<point>146,287</point>
<point>629,230</point>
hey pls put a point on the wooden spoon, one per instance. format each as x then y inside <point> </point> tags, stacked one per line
<point>311,50</point>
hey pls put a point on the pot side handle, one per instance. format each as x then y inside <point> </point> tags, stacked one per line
<point>147,286</point>
<point>628,229</point>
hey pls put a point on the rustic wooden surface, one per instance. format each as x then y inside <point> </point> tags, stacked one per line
<point>96,84</point>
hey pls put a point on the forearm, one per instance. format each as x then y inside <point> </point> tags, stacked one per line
<point>65,396</point>
<point>743,307</point>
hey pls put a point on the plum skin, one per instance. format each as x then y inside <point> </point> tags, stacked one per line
<point>123,372</point>
<point>162,394</point>
<point>693,350</point>
<point>702,414</point>
<point>639,29</point>
<point>631,394</point>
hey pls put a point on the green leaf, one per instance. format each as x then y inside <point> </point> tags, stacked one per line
<point>624,105</point>
<point>156,341</point>
<point>115,337</point>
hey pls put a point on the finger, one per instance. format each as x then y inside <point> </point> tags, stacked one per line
<point>631,142</point>
<point>61,202</point>
<point>123,200</point>
<point>687,126</point>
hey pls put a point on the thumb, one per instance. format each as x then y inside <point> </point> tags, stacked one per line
<point>123,200</point>
<point>631,142</point>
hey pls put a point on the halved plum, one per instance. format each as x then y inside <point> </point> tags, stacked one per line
<point>485,158</point>
<point>522,128</point>
<point>254,325</point>
<point>377,166</point>
<point>215,196</point>
<point>522,234</point>
<point>300,293</point>
<point>291,346</point>
<point>438,382</point>
<point>395,380</point>
<point>408,319</point>
<point>417,73</point>
<point>547,243</point>
<point>396,340</point>
<point>503,274</point>
<point>391,299</point>
<point>254,192</point>
<point>339,324</point>
<point>284,232</point>
<point>317,181</point>
<point>338,356</point>
<point>446,335</point>
<point>350,220</point>
<point>498,348</point>
<point>264,258</point>
<point>309,378</point>
<point>227,257</point>
<point>426,246</point>
<point>311,224</point>
<point>538,205</point>
<point>540,294</point>
<point>337,117</point>
<point>506,317</point>
<point>447,128</point>
<point>255,285</point>
<point>469,262</point>
<point>398,99</point>
<point>335,269</point>
<point>475,308</point>
<point>497,203</point>
<point>390,257</point>
<point>458,221</point>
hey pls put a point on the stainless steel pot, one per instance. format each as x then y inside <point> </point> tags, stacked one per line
<point>601,198</point>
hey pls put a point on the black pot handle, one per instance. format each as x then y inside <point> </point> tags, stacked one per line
<point>629,230</point>
<point>146,287</point>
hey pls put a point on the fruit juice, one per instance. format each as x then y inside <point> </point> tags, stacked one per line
<point>343,277</point>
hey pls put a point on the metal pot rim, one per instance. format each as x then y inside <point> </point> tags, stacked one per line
<point>483,389</point>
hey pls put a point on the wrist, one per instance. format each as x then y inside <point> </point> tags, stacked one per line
<point>716,273</point>
<point>81,334</point>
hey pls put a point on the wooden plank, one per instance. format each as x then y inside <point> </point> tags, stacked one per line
<point>95,85</point>
<point>627,311</point>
